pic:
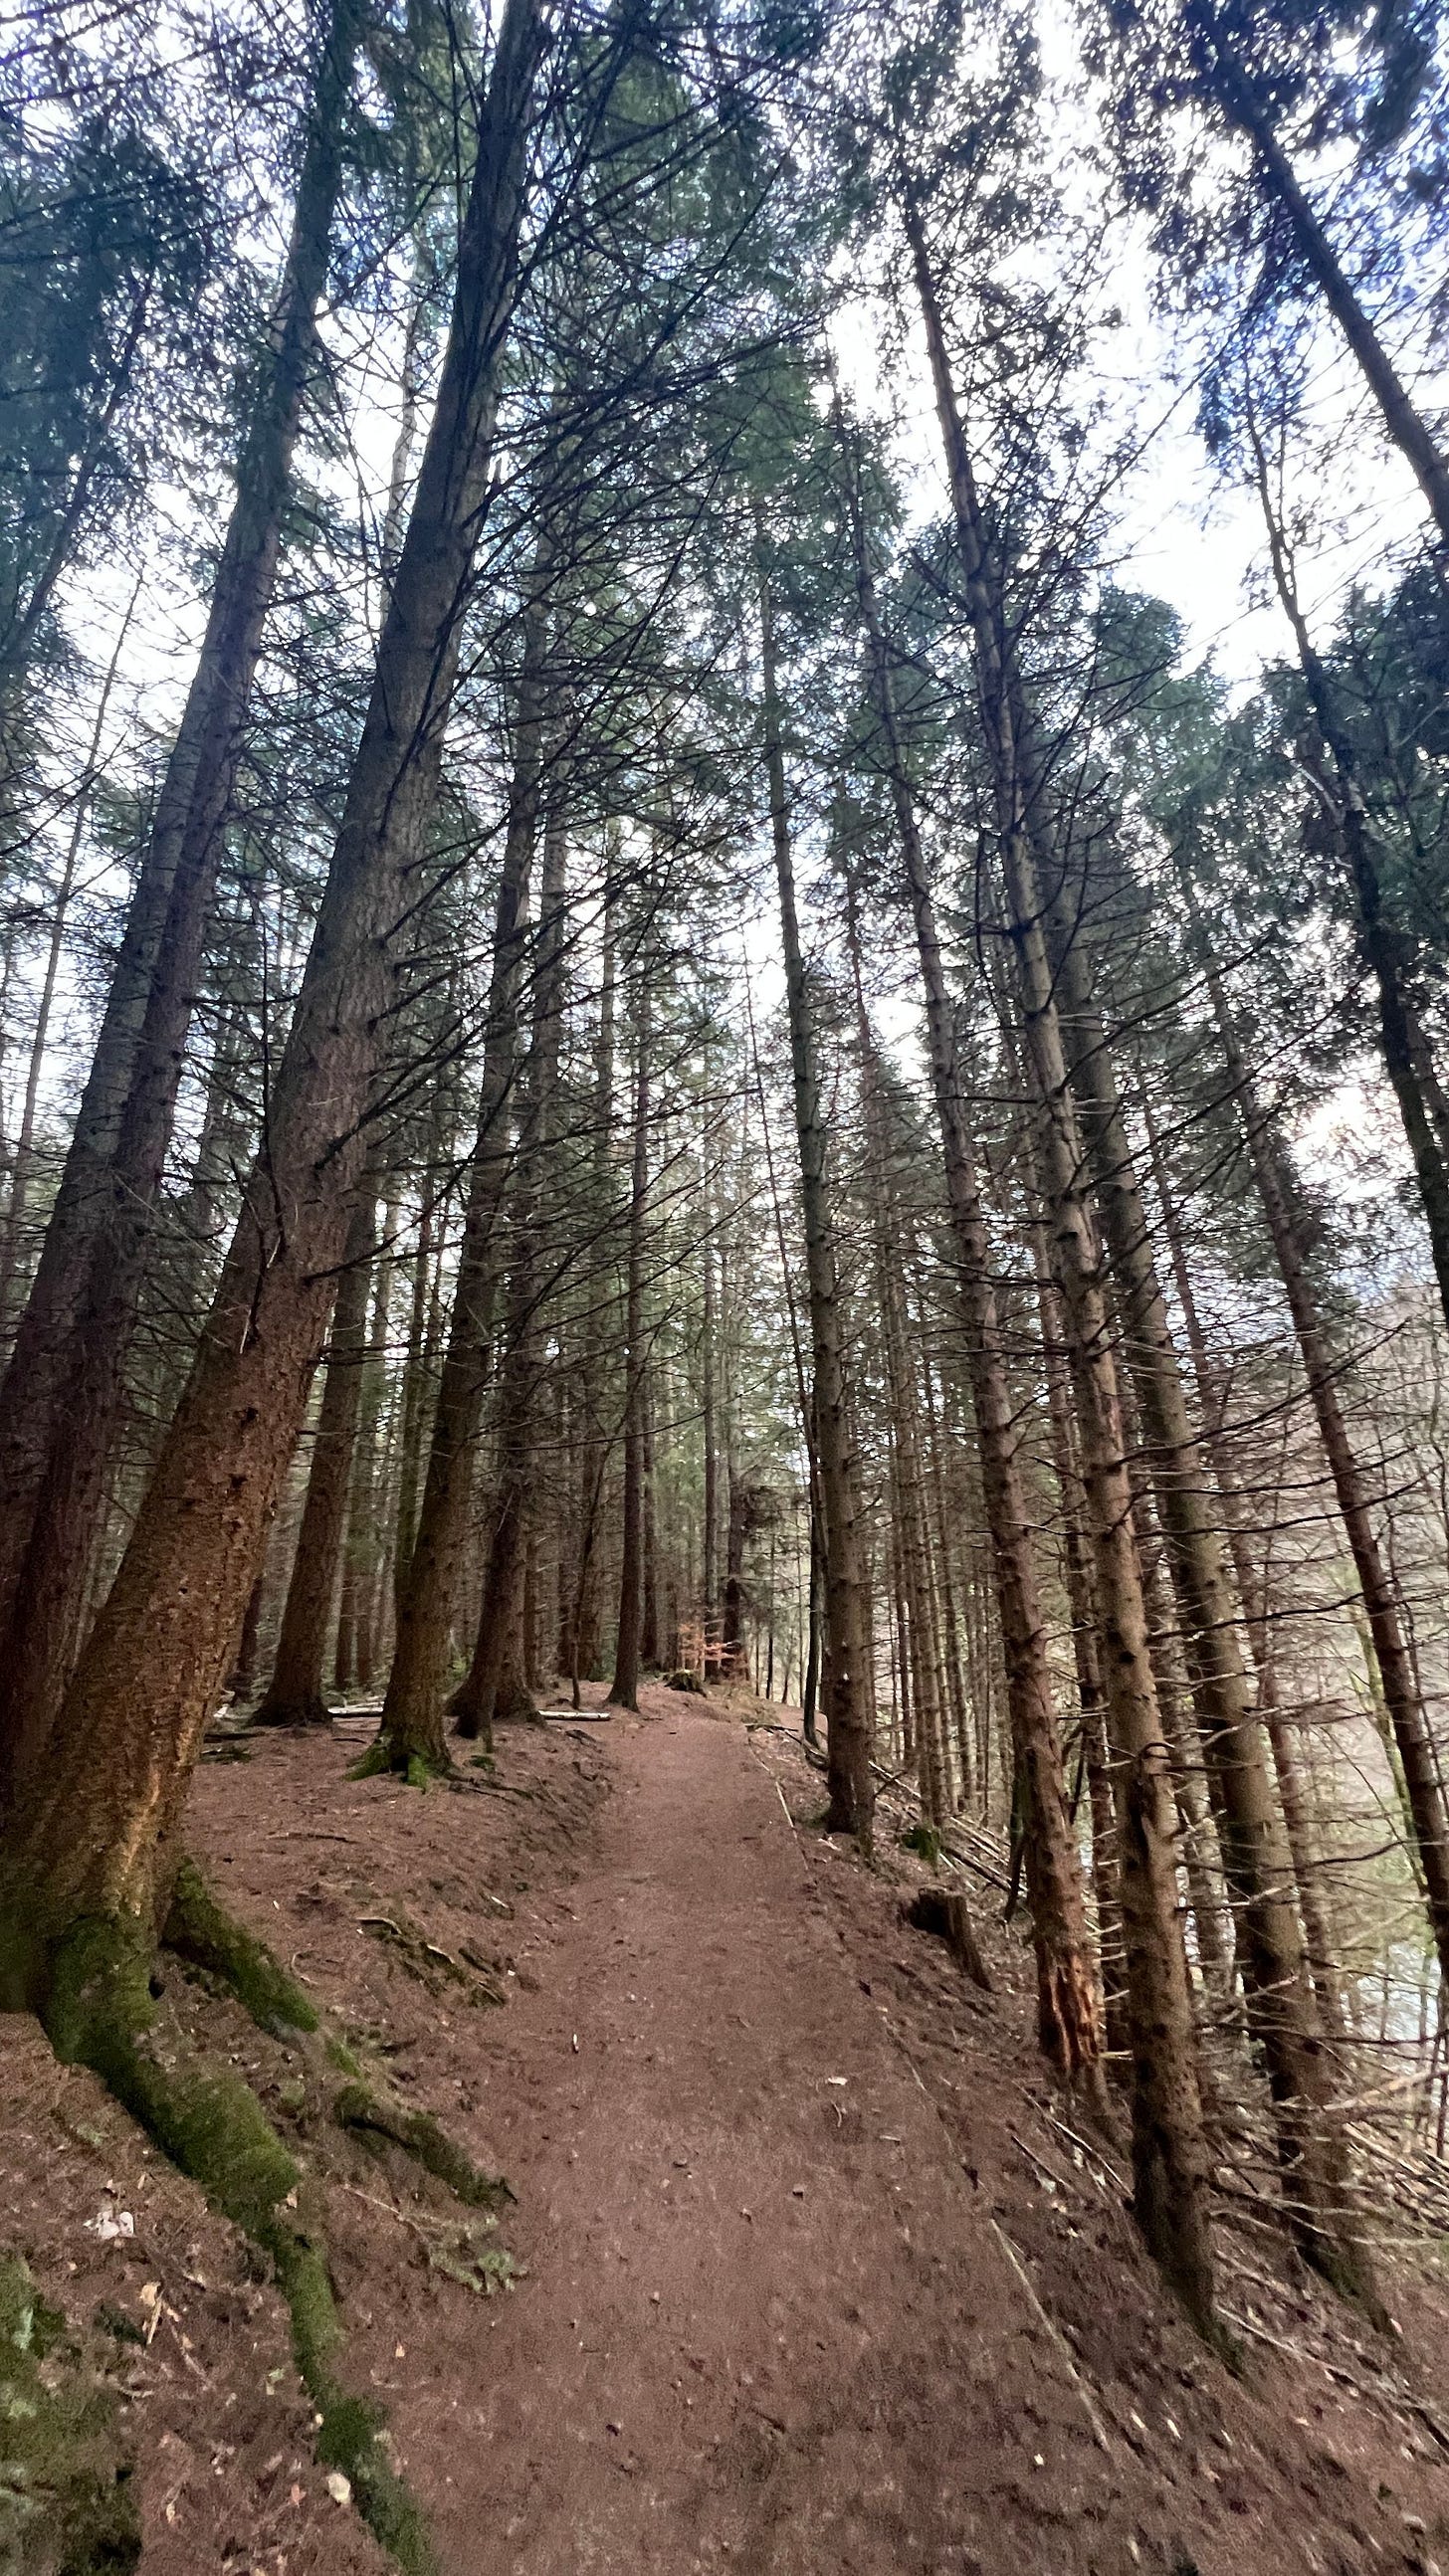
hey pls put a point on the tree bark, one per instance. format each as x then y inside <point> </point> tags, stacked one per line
<point>413,1709</point>
<point>499,1680</point>
<point>1398,1024</point>
<point>1068,2020</point>
<point>1406,427</point>
<point>1271,1958</point>
<point>624,1689</point>
<point>63,1390</point>
<point>847,1680</point>
<point>1170,2162</point>
<point>1405,1708</point>
<point>295,1695</point>
<point>94,1838</point>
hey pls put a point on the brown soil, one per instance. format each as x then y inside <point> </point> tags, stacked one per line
<point>813,2284</point>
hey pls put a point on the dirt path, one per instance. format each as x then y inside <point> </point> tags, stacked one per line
<point>816,2284</point>
<point>766,2324</point>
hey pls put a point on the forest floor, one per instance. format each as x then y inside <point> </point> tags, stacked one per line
<point>806,2274</point>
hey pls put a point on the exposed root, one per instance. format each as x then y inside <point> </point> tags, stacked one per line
<point>427,1961</point>
<point>414,1768</point>
<point>418,2133</point>
<point>98,2013</point>
<point>199,1930</point>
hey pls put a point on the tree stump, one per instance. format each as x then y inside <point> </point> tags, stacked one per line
<point>942,1912</point>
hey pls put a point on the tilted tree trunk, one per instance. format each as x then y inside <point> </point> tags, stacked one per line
<point>62,1393</point>
<point>847,1654</point>
<point>1252,1591</point>
<point>1169,2152</point>
<point>295,1695</point>
<point>1240,103</point>
<point>13,1237</point>
<point>93,1839</point>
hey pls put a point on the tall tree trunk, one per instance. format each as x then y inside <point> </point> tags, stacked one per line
<point>87,1854</point>
<point>1081,1593</point>
<point>1271,1958</point>
<point>62,1393</point>
<point>596,1443</point>
<point>295,1694</point>
<point>847,1676</point>
<point>413,1709</point>
<point>649,1537</point>
<point>1240,103</point>
<point>498,1685</point>
<point>1252,1591</point>
<point>624,1689</point>
<point>1068,2022</point>
<point>1169,2153</point>
<point>709,1577</point>
<point>12,1241</point>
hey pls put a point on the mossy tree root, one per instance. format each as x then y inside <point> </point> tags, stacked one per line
<point>367,2113</point>
<point>414,1768</point>
<point>199,1930</point>
<point>98,2013</point>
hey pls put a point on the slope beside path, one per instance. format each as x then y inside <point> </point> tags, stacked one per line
<point>813,2278</point>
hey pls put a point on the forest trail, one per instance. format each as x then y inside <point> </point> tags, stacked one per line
<point>772,2207</point>
<point>753,2335</point>
<point>813,2282</point>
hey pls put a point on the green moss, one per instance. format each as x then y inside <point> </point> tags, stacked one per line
<point>65,2483</point>
<point>98,2012</point>
<point>198,1929</point>
<point>412,1767</point>
<point>211,2124</point>
<point>338,2054</point>
<point>926,1840</point>
<point>98,1997</point>
<point>420,2135</point>
<point>350,2434</point>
